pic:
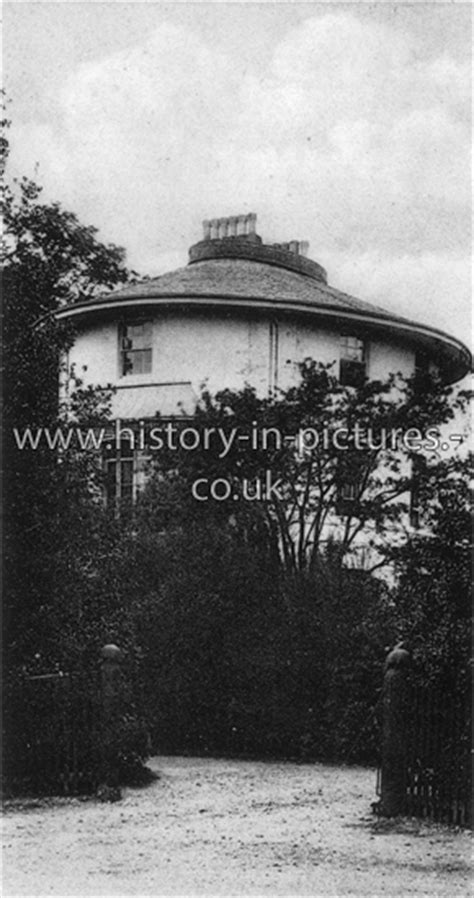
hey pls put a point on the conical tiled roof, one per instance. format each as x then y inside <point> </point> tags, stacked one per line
<point>241,272</point>
<point>241,278</point>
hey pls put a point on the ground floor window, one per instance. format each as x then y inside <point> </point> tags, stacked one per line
<point>119,476</point>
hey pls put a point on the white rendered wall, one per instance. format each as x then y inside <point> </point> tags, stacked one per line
<point>225,350</point>
<point>95,355</point>
<point>389,358</point>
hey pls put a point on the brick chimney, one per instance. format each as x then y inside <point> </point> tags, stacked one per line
<point>235,237</point>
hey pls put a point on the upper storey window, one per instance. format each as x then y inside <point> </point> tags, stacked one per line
<point>352,368</point>
<point>135,348</point>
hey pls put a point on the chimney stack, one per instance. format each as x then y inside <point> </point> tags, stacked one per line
<point>223,227</point>
<point>233,226</point>
<point>304,247</point>
<point>235,237</point>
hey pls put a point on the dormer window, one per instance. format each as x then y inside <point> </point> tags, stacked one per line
<point>135,348</point>
<point>352,366</point>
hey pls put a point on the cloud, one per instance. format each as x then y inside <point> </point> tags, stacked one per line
<point>431,288</point>
<point>346,136</point>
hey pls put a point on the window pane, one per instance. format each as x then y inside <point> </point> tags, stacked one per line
<point>140,335</point>
<point>126,446</point>
<point>146,361</point>
<point>126,482</point>
<point>137,362</point>
<point>127,363</point>
<point>136,348</point>
<point>351,373</point>
<point>352,361</point>
<point>352,348</point>
<point>111,482</point>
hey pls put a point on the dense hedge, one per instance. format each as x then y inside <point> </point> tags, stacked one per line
<point>236,660</point>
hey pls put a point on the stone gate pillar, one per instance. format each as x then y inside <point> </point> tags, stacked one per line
<point>395,708</point>
<point>111,683</point>
<point>112,695</point>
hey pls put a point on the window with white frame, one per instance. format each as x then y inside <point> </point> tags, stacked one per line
<point>353,360</point>
<point>119,479</point>
<point>135,347</point>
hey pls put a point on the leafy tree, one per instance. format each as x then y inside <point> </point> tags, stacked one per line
<point>308,444</point>
<point>262,634</point>
<point>56,534</point>
<point>234,661</point>
<point>433,595</point>
<point>49,258</point>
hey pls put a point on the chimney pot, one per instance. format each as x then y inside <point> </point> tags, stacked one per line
<point>206,228</point>
<point>223,225</point>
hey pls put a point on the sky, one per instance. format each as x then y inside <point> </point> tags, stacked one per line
<point>345,124</point>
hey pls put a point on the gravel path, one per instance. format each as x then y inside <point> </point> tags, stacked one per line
<point>230,828</point>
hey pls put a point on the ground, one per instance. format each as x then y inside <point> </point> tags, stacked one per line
<point>231,828</point>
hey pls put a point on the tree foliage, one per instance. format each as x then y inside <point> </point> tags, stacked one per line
<point>56,533</point>
<point>314,441</point>
<point>49,258</point>
<point>434,591</point>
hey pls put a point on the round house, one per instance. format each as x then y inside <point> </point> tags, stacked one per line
<point>241,312</point>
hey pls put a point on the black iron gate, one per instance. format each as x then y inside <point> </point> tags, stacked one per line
<point>426,745</point>
<point>438,756</point>
<point>51,725</point>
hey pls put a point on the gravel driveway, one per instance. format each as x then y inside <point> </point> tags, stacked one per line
<point>213,827</point>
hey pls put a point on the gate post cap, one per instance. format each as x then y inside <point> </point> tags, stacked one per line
<point>399,656</point>
<point>111,652</point>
